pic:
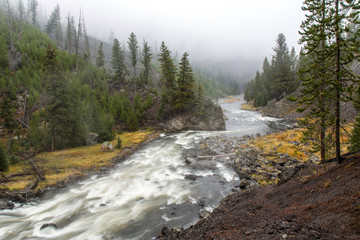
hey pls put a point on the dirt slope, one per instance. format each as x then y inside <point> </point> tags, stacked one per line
<point>324,203</point>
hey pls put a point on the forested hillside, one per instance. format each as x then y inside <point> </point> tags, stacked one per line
<point>58,84</point>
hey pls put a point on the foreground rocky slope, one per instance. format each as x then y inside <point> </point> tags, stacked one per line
<point>323,202</point>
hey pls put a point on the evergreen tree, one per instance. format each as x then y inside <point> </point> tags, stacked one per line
<point>168,77</point>
<point>54,20</point>
<point>134,48</point>
<point>314,80</point>
<point>282,76</point>
<point>342,51</point>
<point>118,61</point>
<point>62,109</point>
<point>185,96</point>
<point>132,120</point>
<point>326,76</point>
<point>4,164</point>
<point>33,9</point>
<point>146,61</point>
<point>70,29</point>
<point>100,57</point>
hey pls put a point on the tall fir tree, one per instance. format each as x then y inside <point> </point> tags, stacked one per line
<point>314,77</point>
<point>146,61</point>
<point>4,164</point>
<point>100,57</point>
<point>33,9</point>
<point>54,20</point>
<point>282,77</point>
<point>62,110</point>
<point>118,61</point>
<point>185,96</point>
<point>168,76</point>
<point>133,51</point>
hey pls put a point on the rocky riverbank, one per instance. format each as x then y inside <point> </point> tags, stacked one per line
<point>316,201</point>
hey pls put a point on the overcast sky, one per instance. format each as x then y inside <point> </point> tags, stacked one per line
<point>219,30</point>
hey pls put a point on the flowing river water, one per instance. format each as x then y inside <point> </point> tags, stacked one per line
<point>140,195</point>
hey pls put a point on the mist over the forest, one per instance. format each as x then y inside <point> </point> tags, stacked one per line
<point>227,35</point>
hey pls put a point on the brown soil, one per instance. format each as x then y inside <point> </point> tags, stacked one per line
<point>324,203</point>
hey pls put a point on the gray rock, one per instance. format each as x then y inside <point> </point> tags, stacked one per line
<point>190,160</point>
<point>107,147</point>
<point>6,204</point>
<point>191,177</point>
<point>92,139</point>
<point>203,213</point>
<point>49,225</point>
<point>165,231</point>
<point>243,184</point>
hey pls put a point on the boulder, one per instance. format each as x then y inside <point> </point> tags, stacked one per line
<point>191,177</point>
<point>92,139</point>
<point>107,147</point>
<point>204,213</point>
<point>166,231</point>
<point>49,225</point>
<point>211,118</point>
<point>6,204</point>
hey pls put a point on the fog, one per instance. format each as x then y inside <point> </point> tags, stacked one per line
<point>238,32</point>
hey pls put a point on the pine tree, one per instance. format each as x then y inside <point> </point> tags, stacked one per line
<point>342,51</point>
<point>185,96</point>
<point>54,20</point>
<point>134,48</point>
<point>33,9</point>
<point>70,29</point>
<point>282,77</point>
<point>100,57</point>
<point>118,61</point>
<point>62,109</point>
<point>168,76</point>
<point>313,75</point>
<point>327,79</point>
<point>4,164</point>
<point>146,61</point>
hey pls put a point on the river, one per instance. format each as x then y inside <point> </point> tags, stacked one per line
<point>140,195</point>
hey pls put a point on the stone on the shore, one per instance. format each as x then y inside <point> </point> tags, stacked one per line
<point>107,147</point>
<point>204,213</point>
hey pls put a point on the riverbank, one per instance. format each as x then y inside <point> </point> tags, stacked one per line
<point>53,170</point>
<point>320,203</point>
<point>284,192</point>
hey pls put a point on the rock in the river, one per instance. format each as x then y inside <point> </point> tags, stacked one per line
<point>211,118</point>
<point>49,225</point>
<point>92,139</point>
<point>6,204</point>
<point>107,147</point>
<point>190,160</point>
<point>191,177</point>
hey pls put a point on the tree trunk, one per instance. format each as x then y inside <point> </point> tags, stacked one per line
<point>338,85</point>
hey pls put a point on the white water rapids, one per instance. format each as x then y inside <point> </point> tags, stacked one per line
<point>141,195</point>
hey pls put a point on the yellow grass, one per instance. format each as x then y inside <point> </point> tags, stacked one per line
<point>248,107</point>
<point>232,100</point>
<point>60,165</point>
